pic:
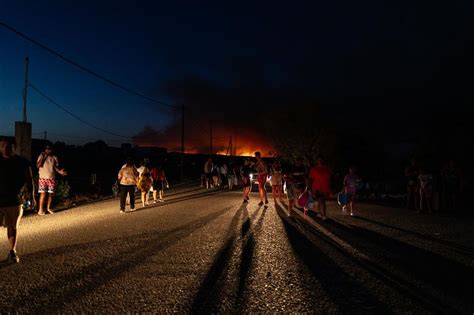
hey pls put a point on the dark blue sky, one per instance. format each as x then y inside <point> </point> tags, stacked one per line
<point>341,52</point>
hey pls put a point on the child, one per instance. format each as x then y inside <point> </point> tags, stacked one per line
<point>426,190</point>
<point>276,180</point>
<point>246,182</point>
<point>350,188</point>
<point>144,184</point>
<point>159,182</point>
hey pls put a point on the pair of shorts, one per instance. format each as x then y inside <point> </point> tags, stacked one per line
<point>46,185</point>
<point>292,191</point>
<point>246,181</point>
<point>209,176</point>
<point>10,216</point>
<point>317,194</point>
<point>350,195</point>
<point>158,185</point>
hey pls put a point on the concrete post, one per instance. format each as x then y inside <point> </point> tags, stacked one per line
<point>23,139</point>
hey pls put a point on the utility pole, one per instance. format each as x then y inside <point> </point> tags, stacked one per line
<point>182,143</point>
<point>25,91</point>
<point>210,137</point>
<point>23,128</point>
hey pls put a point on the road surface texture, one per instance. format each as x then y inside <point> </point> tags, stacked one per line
<point>203,251</point>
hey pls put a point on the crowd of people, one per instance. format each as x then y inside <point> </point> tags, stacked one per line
<point>146,179</point>
<point>301,184</point>
<point>431,191</point>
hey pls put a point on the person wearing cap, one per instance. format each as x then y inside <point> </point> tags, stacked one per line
<point>48,166</point>
<point>16,188</point>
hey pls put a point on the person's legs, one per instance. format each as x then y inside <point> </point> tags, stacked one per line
<point>322,202</point>
<point>279,192</point>
<point>123,196</point>
<point>131,193</point>
<point>147,197</point>
<point>41,203</point>
<point>422,200</point>
<point>291,193</point>
<point>12,238</point>
<point>143,198</point>
<point>154,194</point>
<point>274,192</point>
<point>50,200</point>
<point>261,188</point>
<point>11,216</point>
<point>247,192</point>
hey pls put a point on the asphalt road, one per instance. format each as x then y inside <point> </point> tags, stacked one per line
<point>202,251</point>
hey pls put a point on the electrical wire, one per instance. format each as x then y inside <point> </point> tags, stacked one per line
<point>74,115</point>
<point>88,70</point>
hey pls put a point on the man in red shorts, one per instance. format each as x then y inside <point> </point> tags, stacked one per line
<point>16,187</point>
<point>320,178</point>
<point>47,164</point>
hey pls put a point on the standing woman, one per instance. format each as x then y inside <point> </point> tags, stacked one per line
<point>276,179</point>
<point>245,175</point>
<point>159,180</point>
<point>144,185</point>
<point>127,177</point>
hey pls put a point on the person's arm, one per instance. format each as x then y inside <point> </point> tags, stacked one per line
<point>60,171</point>
<point>41,158</point>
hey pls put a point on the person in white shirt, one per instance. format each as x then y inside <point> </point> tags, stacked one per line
<point>48,166</point>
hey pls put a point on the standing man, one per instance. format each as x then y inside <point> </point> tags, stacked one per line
<point>48,166</point>
<point>16,186</point>
<point>208,167</point>
<point>262,172</point>
<point>320,178</point>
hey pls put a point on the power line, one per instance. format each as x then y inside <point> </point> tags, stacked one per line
<point>74,115</point>
<point>61,135</point>
<point>91,72</point>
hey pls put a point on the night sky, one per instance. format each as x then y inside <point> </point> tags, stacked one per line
<point>367,61</point>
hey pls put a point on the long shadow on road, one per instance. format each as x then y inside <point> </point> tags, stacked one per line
<point>73,285</point>
<point>344,290</point>
<point>209,299</point>
<point>457,247</point>
<point>447,276</point>
<point>184,198</point>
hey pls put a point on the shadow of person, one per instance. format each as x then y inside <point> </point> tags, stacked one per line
<point>346,292</point>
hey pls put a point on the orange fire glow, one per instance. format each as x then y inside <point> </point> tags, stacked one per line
<point>245,143</point>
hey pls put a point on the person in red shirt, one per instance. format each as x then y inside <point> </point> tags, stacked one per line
<point>320,179</point>
<point>159,181</point>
